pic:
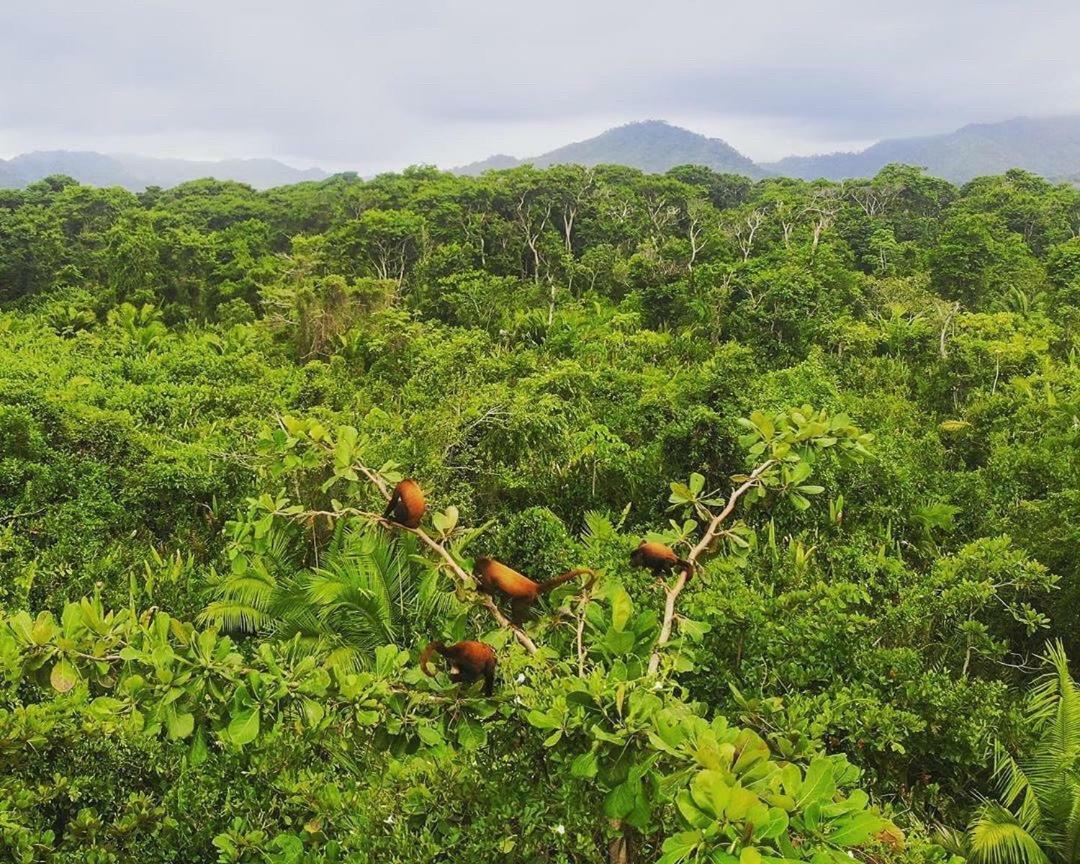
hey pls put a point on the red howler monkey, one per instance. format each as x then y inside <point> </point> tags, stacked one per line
<point>494,576</point>
<point>659,558</point>
<point>406,505</point>
<point>469,662</point>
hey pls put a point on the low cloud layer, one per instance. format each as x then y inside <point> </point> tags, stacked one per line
<point>378,85</point>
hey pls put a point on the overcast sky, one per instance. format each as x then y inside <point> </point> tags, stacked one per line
<point>370,86</point>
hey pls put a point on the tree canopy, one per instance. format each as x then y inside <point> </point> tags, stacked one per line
<point>852,407</point>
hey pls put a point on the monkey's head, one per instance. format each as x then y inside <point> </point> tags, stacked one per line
<point>480,564</point>
<point>638,555</point>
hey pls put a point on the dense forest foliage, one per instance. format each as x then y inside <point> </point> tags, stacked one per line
<point>854,407</point>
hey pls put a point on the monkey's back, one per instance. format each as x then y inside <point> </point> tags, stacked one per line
<point>476,654</point>
<point>658,555</point>
<point>409,504</point>
<point>496,575</point>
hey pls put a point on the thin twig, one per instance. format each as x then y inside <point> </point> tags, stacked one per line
<point>703,545</point>
<point>583,606</point>
<point>11,517</point>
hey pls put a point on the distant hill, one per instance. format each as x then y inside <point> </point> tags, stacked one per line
<point>138,172</point>
<point>651,145</point>
<point>1048,146</point>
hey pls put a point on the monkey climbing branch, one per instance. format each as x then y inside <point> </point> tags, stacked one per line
<point>672,592</point>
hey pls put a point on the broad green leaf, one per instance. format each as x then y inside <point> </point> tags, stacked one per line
<point>854,829</point>
<point>621,608</point>
<point>471,735</point>
<point>63,676</point>
<point>818,785</point>
<point>710,792</point>
<point>541,720</point>
<point>244,727</point>
<point>179,725</point>
<point>584,765</point>
<point>678,847</point>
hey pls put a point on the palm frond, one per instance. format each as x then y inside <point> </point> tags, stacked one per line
<point>369,589</point>
<point>1016,790</point>
<point>996,837</point>
<point>231,616</point>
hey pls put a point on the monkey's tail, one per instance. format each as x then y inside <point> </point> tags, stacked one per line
<point>566,577</point>
<point>425,657</point>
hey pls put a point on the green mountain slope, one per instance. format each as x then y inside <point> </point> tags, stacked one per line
<point>1047,146</point>
<point>652,145</point>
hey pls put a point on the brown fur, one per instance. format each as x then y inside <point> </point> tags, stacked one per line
<point>406,505</point>
<point>659,558</point>
<point>469,662</point>
<point>496,578</point>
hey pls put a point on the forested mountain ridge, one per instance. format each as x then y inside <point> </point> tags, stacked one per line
<point>848,409</point>
<point>1047,146</point>
<point>139,172</point>
<point>651,145</point>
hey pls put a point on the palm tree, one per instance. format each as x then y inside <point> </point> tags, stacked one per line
<point>1037,817</point>
<point>368,590</point>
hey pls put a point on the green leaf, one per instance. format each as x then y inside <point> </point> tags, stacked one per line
<point>710,792</point>
<point>471,735</point>
<point>541,720</point>
<point>584,766</point>
<point>622,607</point>
<point>63,676</point>
<point>620,800</point>
<point>679,847</point>
<point>430,734</point>
<point>818,786</point>
<point>313,712</point>
<point>740,804</point>
<point>179,725</point>
<point>774,824</point>
<point>199,751</point>
<point>855,829</point>
<point>244,727</point>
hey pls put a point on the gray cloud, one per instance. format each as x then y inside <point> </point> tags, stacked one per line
<point>376,85</point>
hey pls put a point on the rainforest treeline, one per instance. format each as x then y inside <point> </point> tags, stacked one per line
<point>846,415</point>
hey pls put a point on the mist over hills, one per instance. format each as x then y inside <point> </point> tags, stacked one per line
<point>138,172</point>
<point>1047,146</point>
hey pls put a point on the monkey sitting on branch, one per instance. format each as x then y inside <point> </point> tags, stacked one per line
<point>660,559</point>
<point>406,505</point>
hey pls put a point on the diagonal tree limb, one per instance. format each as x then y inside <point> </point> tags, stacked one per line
<point>672,592</point>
